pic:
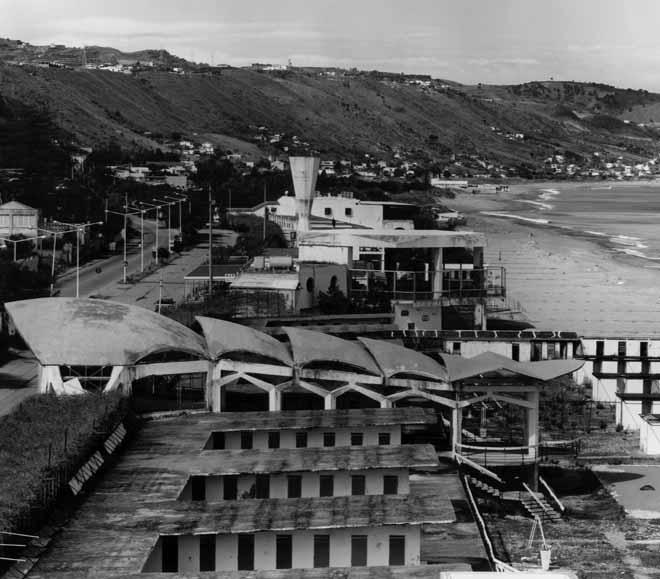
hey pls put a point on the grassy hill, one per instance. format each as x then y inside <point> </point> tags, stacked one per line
<point>344,115</point>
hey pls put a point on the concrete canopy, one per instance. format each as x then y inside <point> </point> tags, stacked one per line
<point>308,347</point>
<point>394,359</point>
<point>225,337</point>
<point>405,238</point>
<point>89,332</point>
<point>460,368</point>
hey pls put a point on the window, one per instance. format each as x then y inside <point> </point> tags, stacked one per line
<point>357,484</point>
<point>294,486</point>
<point>384,438</point>
<point>326,485</point>
<point>405,313</point>
<point>622,348</point>
<point>327,211</point>
<point>390,485</point>
<point>515,352</point>
<point>411,325</point>
<point>551,351</point>
<point>198,488</point>
<point>321,551</point>
<point>537,351</point>
<point>425,318</point>
<point>328,439</point>
<point>301,440</point>
<point>358,550</point>
<point>348,212</point>
<point>563,350</point>
<point>207,552</point>
<point>600,348</point>
<point>230,487</point>
<point>218,441</point>
<point>643,349</point>
<point>283,552</point>
<point>245,552</point>
<point>246,439</point>
<point>273,440</point>
<point>357,439</point>
<point>262,486</point>
<point>170,554</point>
<point>310,284</point>
<point>621,385</point>
<point>456,348</point>
<point>397,550</point>
<point>647,406</point>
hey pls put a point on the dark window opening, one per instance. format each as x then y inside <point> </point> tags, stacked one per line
<point>273,440</point>
<point>622,348</point>
<point>198,488</point>
<point>644,349</point>
<point>515,352</point>
<point>384,438</point>
<point>647,406</point>
<point>358,484</point>
<point>348,211</point>
<point>262,486</point>
<point>170,554</point>
<point>245,552</point>
<point>301,440</point>
<point>246,439</point>
<point>358,550</point>
<point>207,552</point>
<point>357,439</point>
<point>327,485</point>
<point>397,550</point>
<point>283,552</point>
<point>390,485</point>
<point>230,487</point>
<point>294,486</point>
<point>552,351</point>
<point>600,348</point>
<point>321,551</point>
<point>328,439</point>
<point>456,348</point>
<point>218,441</point>
<point>405,313</point>
<point>327,211</point>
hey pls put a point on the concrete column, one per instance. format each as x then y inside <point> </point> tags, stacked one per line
<point>456,427</point>
<point>437,273</point>
<point>274,400</point>
<point>329,402</point>
<point>386,403</point>
<point>532,422</point>
<point>479,317</point>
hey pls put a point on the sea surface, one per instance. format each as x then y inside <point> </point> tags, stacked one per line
<point>624,219</point>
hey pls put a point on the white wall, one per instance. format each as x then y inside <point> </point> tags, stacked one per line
<point>303,552</point>
<point>315,437</point>
<point>374,481</point>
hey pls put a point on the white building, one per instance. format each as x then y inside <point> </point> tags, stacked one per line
<point>18,219</point>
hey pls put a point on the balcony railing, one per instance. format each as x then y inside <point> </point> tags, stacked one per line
<point>460,282</point>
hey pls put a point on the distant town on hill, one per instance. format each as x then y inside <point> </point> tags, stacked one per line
<point>95,97</point>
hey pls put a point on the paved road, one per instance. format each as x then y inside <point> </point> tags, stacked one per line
<point>112,269</point>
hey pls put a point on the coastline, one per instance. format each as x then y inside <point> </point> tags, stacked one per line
<point>565,280</point>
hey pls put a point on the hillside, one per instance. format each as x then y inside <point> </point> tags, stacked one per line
<point>347,114</point>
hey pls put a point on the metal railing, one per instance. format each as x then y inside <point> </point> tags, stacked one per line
<point>419,285</point>
<point>498,455</point>
<point>552,494</point>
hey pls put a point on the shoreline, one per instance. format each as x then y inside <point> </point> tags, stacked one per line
<point>565,280</point>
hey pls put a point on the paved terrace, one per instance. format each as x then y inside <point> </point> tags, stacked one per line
<point>114,531</point>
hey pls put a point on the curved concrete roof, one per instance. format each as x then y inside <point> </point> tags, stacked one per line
<point>394,359</point>
<point>89,332</point>
<point>223,337</point>
<point>460,368</point>
<point>308,347</point>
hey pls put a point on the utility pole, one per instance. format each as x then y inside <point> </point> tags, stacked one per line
<point>160,291</point>
<point>125,232</point>
<point>210,244</point>
<point>265,212</point>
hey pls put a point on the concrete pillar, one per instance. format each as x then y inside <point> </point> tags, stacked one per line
<point>329,402</point>
<point>479,317</point>
<point>385,403</point>
<point>532,422</point>
<point>437,273</point>
<point>456,427</point>
<point>274,400</point>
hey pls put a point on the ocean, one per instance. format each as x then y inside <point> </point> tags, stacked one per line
<point>624,219</point>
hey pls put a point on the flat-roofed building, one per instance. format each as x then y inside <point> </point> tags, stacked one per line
<point>305,472</point>
<point>18,219</point>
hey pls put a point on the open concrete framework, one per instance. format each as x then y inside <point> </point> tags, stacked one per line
<point>323,368</point>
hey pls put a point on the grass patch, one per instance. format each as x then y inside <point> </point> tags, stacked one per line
<point>46,433</point>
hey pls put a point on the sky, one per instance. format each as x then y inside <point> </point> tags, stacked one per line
<point>469,41</point>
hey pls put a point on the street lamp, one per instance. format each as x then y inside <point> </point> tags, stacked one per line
<point>78,228</point>
<point>17,241</point>
<point>125,214</point>
<point>169,225</point>
<point>157,208</point>
<point>180,200</point>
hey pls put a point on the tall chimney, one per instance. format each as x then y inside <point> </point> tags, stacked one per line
<point>304,171</point>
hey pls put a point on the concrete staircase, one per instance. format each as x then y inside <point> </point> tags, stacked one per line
<point>483,488</point>
<point>539,508</point>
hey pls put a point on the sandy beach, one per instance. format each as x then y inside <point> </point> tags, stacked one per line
<point>563,281</point>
